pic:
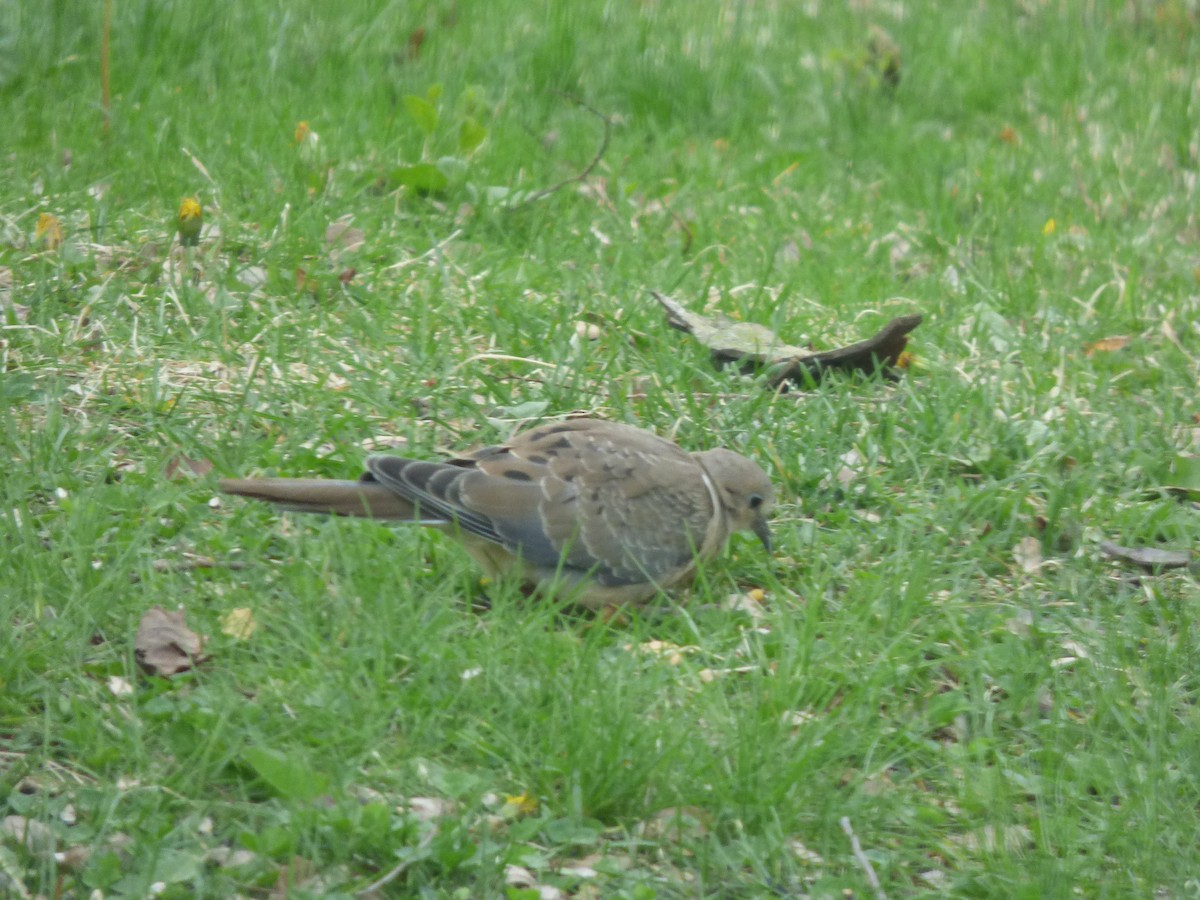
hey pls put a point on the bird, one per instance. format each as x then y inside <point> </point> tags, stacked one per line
<point>595,513</point>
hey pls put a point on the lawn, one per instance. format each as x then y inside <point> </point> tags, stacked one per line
<point>426,225</point>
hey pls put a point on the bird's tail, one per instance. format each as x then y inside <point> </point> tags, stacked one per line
<point>318,495</point>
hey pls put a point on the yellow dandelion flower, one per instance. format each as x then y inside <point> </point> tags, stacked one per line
<point>189,220</point>
<point>302,131</point>
<point>49,230</point>
<point>520,804</point>
<point>1050,227</point>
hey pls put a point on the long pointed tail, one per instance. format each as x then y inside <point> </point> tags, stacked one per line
<point>317,495</point>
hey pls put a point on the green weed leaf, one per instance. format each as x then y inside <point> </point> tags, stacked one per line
<point>424,177</point>
<point>424,113</point>
<point>286,775</point>
<point>470,135</point>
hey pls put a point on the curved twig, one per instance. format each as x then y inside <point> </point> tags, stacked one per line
<point>582,173</point>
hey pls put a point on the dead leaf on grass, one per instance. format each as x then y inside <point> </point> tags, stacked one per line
<point>239,623</point>
<point>1028,555</point>
<point>676,823</point>
<point>993,839</point>
<point>180,466</point>
<point>48,231</point>
<point>230,858</point>
<point>1106,345</point>
<point>754,347</point>
<point>119,686</point>
<point>342,237</point>
<point>165,645</point>
<point>751,602</point>
<point>852,464</point>
<point>803,853</point>
<point>588,331</point>
<point>798,718</point>
<point>1149,558</point>
<point>428,809</point>
<point>36,837</point>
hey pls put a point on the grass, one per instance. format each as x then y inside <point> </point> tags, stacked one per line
<point>943,657</point>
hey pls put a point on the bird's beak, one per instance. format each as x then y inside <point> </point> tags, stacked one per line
<point>763,531</point>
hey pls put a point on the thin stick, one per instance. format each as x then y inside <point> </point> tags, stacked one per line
<point>398,869</point>
<point>861,857</point>
<point>432,251</point>
<point>582,173</point>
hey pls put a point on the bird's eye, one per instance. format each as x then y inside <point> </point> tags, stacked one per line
<point>755,500</point>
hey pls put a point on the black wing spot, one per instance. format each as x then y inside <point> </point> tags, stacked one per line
<point>518,475</point>
<point>537,459</point>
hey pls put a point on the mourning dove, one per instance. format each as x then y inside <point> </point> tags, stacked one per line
<point>597,513</point>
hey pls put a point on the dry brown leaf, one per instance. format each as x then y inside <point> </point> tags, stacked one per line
<point>879,784</point>
<point>119,686</point>
<point>519,877</point>
<point>1028,554</point>
<point>588,331</point>
<point>729,341</point>
<point>74,859</point>
<point>992,839</point>
<point>754,346</point>
<point>36,837</point>
<point>239,623</point>
<point>165,645</point>
<point>341,236</point>
<point>803,854</point>
<point>1107,345</point>
<point>1020,624</point>
<point>181,466</point>
<point>798,718</point>
<point>230,858</point>
<point>852,463</point>
<point>750,603</point>
<point>427,809</point>
<point>1149,558</point>
<point>676,823</point>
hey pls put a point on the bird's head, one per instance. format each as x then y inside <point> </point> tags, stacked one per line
<point>745,491</point>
